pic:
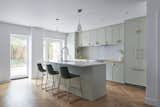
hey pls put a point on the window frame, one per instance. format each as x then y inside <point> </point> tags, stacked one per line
<point>46,42</point>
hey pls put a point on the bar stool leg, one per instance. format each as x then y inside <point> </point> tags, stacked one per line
<point>42,81</point>
<point>59,82</point>
<point>37,77</point>
<point>53,83</point>
<point>68,95</point>
<point>80,80</point>
<point>46,82</point>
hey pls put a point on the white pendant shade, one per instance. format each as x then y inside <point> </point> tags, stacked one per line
<point>79,28</point>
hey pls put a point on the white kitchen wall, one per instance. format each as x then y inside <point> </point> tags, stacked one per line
<point>5,31</point>
<point>102,52</point>
<point>36,36</point>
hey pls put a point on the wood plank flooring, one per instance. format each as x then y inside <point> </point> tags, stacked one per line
<point>24,93</point>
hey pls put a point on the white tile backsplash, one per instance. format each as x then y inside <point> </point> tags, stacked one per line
<point>102,52</point>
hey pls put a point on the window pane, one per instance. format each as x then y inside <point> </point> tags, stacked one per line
<point>54,49</point>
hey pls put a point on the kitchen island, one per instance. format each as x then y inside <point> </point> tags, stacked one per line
<point>92,74</point>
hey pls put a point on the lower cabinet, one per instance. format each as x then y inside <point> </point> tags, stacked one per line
<point>115,72</point>
<point>136,76</point>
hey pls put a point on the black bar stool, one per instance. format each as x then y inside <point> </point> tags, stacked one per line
<point>51,72</point>
<point>41,71</point>
<point>66,75</point>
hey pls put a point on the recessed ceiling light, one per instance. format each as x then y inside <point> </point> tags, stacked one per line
<point>57,19</point>
<point>126,13</point>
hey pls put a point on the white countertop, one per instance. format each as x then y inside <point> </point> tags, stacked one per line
<point>78,63</point>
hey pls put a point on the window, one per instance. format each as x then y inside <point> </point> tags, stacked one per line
<point>52,49</point>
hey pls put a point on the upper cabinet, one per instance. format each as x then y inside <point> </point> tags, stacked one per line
<point>117,33</point>
<point>92,37</point>
<point>100,37</point>
<point>84,39</point>
<point>109,35</point>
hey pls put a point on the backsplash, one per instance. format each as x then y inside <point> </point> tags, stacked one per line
<point>113,52</point>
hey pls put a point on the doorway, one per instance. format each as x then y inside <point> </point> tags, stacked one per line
<point>18,56</point>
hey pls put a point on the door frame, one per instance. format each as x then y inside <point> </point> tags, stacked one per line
<point>27,59</point>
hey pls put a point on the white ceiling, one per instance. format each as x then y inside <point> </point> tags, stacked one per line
<point>96,13</point>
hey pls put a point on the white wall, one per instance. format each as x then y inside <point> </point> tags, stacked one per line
<point>153,50</point>
<point>5,31</point>
<point>36,35</point>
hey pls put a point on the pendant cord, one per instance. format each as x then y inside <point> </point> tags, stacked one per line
<point>79,20</point>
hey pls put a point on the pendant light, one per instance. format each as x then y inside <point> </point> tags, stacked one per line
<point>79,27</point>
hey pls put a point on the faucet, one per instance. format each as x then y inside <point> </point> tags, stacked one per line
<point>64,51</point>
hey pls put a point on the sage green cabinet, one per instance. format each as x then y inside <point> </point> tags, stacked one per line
<point>101,36</point>
<point>84,39</point>
<point>110,35</point>
<point>135,60</point>
<point>115,72</point>
<point>117,33</point>
<point>93,36</point>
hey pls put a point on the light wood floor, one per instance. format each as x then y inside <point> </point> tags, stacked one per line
<point>24,93</point>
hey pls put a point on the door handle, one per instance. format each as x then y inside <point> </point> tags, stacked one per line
<point>137,69</point>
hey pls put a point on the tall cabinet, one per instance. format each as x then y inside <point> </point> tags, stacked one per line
<point>135,64</point>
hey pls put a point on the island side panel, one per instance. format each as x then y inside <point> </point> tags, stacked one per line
<point>86,81</point>
<point>99,81</point>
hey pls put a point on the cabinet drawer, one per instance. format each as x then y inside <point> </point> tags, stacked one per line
<point>135,77</point>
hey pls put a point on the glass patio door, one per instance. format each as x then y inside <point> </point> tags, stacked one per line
<point>18,57</point>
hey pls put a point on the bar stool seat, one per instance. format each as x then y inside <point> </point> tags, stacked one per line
<point>65,74</point>
<point>72,76</point>
<point>54,73</point>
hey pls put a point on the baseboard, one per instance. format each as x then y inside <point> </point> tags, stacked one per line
<point>153,102</point>
<point>17,78</point>
<point>34,78</point>
<point>5,81</point>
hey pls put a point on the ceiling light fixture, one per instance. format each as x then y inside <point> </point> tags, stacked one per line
<point>57,22</point>
<point>79,27</point>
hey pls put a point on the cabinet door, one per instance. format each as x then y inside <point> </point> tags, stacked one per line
<point>109,71</point>
<point>80,40</point>
<point>85,38</point>
<point>92,37</point>
<point>121,34</point>
<point>117,72</point>
<point>100,36</point>
<point>135,71</point>
<point>108,35</point>
<point>115,34</point>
